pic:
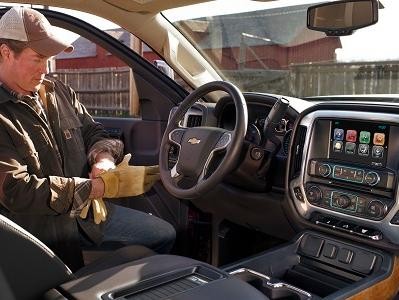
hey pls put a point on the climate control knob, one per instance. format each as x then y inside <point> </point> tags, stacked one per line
<point>372,178</point>
<point>343,201</point>
<point>314,194</point>
<point>324,170</point>
<point>376,209</point>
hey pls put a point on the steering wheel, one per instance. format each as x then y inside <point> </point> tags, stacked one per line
<point>198,145</point>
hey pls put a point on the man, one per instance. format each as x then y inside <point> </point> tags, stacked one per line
<point>48,145</point>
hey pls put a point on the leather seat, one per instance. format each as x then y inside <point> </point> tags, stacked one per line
<point>30,268</point>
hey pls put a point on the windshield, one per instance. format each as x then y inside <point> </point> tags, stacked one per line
<point>266,47</point>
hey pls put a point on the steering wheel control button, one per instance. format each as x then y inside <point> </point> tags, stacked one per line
<point>372,178</point>
<point>330,251</point>
<point>256,153</point>
<point>345,255</point>
<point>176,136</point>
<point>376,209</point>
<point>314,194</point>
<point>311,245</point>
<point>223,141</point>
<point>298,193</point>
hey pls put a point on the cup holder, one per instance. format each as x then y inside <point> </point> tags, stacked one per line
<point>274,289</point>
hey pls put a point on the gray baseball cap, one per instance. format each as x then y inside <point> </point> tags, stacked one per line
<point>28,25</point>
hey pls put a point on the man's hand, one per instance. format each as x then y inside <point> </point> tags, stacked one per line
<point>125,180</point>
<point>104,162</point>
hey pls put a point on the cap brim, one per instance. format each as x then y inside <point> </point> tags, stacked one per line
<point>50,46</point>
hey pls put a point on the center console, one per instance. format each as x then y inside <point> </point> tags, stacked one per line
<point>311,266</point>
<point>314,266</point>
<point>344,175</point>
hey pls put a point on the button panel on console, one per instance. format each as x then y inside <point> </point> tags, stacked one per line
<point>365,177</point>
<point>351,203</point>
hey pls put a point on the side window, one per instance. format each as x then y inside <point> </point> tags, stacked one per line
<point>103,82</point>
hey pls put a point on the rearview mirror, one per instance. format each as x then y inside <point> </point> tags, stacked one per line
<point>342,17</point>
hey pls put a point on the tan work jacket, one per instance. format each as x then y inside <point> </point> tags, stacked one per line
<point>39,156</point>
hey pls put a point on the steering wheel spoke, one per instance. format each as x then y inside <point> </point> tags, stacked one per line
<point>176,136</point>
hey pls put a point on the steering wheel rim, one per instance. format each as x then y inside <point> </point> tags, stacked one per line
<point>233,146</point>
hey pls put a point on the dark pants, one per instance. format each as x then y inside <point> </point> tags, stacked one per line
<point>132,227</point>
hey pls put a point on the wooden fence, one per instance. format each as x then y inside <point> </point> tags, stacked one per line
<point>322,79</point>
<point>104,92</point>
<point>344,79</point>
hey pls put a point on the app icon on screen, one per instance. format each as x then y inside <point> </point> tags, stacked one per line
<point>364,137</point>
<point>351,135</point>
<point>338,146</point>
<point>350,148</point>
<point>379,138</point>
<point>363,150</point>
<point>377,152</point>
<point>338,134</point>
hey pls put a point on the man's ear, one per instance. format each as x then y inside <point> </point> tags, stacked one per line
<point>5,51</point>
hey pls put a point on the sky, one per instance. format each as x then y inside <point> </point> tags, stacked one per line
<point>377,42</point>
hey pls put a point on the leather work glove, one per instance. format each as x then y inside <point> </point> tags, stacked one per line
<point>99,210</point>
<point>125,180</point>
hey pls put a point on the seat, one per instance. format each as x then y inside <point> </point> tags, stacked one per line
<point>30,268</point>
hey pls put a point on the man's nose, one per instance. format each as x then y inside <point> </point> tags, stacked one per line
<point>44,67</point>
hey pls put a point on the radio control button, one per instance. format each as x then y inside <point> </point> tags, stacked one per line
<point>324,170</point>
<point>372,178</point>
<point>314,194</point>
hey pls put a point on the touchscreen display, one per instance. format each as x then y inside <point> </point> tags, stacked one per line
<point>359,142</point>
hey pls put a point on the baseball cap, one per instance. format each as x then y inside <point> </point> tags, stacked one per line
<point>28,25</point>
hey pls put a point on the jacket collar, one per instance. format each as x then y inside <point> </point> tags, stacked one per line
<point>7,94</point>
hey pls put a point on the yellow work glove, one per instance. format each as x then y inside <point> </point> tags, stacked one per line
<point>125,180</point>
<point>99,210</point>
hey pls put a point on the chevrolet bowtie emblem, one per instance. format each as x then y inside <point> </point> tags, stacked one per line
<point>194,141</point>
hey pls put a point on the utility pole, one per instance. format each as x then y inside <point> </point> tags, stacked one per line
<point>137,46</point>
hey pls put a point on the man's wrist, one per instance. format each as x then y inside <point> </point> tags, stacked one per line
<point>97,188</point>
<point>104,156</point>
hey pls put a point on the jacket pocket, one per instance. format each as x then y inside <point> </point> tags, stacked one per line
<point>71,128</point>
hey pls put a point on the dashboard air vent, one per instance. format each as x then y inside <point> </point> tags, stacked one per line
<point>194,120</point>
<point>298,151</point>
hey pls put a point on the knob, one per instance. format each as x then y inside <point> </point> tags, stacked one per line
<point>372,178</point>
<point>343,201</point>
<point>324,170</point>
<point>314,194</point>
<point>376,209</point>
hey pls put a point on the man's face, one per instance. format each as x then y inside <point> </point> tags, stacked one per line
<point>26,71</point>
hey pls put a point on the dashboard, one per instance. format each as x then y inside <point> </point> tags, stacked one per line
<point>257,113</point>
<point>343,171</point>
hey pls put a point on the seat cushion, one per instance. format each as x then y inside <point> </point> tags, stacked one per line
<point>117,257</point>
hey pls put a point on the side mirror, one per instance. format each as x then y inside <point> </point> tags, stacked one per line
<point>342,17</point>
